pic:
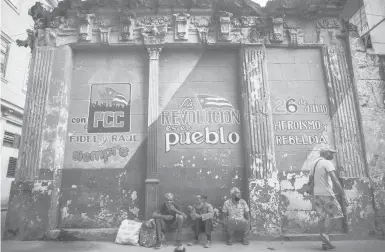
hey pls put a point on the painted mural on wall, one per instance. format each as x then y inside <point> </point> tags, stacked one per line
<point>100,128</point>
<point>199,126</point>
<point>300,128</point>
<point>109,108</point>
<point>202,110</point>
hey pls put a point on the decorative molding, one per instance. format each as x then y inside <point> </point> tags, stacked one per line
<point>154,34</point>
<point>30,41</point>
<point>202,24</point>
<point>295,34</point>
<point>154,20</point>
<point>127,23</point>
<point>277,29</point>
<point>85,27</point>
<point>105,35</point>
<point>249,21</point>
<point>225,26</point>
<point>328,23</point>
<point>154,52</point>
<point>182,23</point>
<point>77,20</point>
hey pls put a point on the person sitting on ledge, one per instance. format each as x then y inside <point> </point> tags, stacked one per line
<point>237,216</point>
<point>202,214</point>
<point>168,219</point>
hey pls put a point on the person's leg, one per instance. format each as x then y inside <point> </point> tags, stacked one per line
<point>244,227</point>
<point>333,208</point>
<point>321,224</point>
<point>196,228</point>
<point>230,224</point>
<point>208,226</point>
<point>319,207</point>
<point>159,226</point>
<point>179,221</point>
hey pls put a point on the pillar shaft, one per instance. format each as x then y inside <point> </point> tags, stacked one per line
<point>33,120</point>
<point>34,197</point>
<point>343,112</point>
<point>152,181</point>
<point>257,116</point>
<point>263,185</point>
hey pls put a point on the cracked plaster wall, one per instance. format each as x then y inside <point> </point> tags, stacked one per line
<point>369,77</point>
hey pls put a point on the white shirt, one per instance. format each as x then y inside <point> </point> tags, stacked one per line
<point>323,184</point>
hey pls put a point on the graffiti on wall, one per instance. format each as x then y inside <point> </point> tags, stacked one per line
<point>104,154</point>
<point>211,110</point>
<point>109,109</point>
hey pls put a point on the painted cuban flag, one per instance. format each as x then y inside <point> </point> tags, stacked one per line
<point>115,97</point>
<point>214,102</point>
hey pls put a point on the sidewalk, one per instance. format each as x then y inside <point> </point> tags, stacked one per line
<point>87,246</point>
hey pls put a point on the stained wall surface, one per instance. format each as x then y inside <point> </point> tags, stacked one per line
<point>104,166</point>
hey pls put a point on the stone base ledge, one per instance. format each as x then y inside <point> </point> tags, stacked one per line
<point>109,235</point>
<point>333,237</point>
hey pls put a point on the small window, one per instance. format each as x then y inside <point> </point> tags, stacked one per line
<point>11,140</point>
<point>12,164</point>
<point>5,44</point>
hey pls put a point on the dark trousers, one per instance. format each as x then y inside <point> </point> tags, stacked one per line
<point>203,226</point>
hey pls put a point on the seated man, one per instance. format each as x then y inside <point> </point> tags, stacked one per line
<point>237,216</point>
<point>168,219</point>
<point>202,214</point>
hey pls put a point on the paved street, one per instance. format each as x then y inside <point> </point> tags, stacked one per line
<point>342,246</point>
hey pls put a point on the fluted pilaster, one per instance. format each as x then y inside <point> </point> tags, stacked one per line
<point>152,181</point>
<point>257,114</point>
<point>33,121</point>
<point>343,111</point>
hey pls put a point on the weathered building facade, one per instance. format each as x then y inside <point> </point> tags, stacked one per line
<point>128,100</point>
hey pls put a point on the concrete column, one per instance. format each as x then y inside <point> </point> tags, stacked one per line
<point>34,197</point>
<point>263,184</point>
<point>152,181</point>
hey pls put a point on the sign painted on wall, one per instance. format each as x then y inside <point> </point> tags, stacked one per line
<point>109,109</point>
<point>292,125</point>
<point>211,110</point>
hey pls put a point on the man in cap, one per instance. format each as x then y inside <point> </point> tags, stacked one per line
<point>325,201</point>
<point>168,219</point>
<point>237,216</point>
<point>202,214</point>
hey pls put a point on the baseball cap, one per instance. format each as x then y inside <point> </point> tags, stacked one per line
<point>325,149</point>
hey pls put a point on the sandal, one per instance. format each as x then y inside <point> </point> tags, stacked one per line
<point>245,242</point>
<point>158,245</point>
<point>229,242</point>
<point>208,244</point>
<point>325,239</point>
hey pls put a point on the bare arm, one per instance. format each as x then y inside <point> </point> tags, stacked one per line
<point>157,215</point>
<point>179,212</point>
<point>209,214</point>
<point>337,182</point>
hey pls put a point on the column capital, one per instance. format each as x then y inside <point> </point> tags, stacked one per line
<point>154,52</point>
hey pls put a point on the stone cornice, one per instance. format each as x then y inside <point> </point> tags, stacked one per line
<point>150,22</point>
